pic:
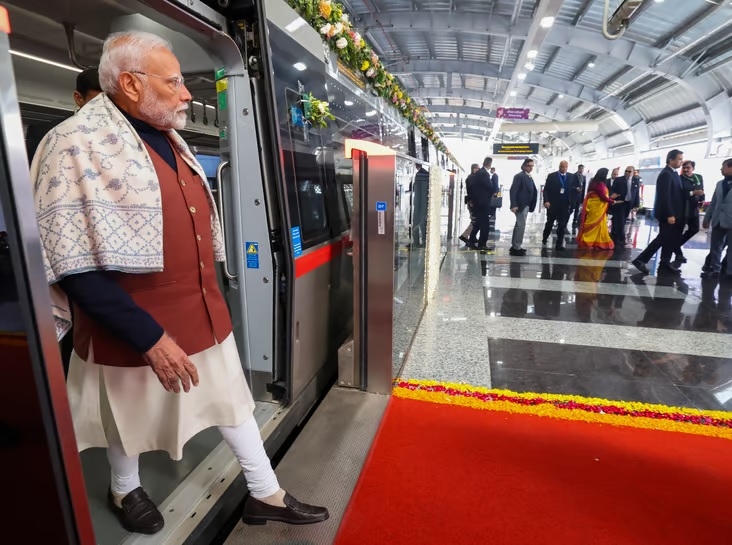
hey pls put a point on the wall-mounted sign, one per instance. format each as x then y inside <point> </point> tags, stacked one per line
<point>512,113</point>
<point>650,162</point>
<point>512,148</point>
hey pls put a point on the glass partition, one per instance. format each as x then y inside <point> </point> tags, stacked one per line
<point>409,264</point>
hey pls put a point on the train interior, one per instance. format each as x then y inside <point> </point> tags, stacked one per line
<point>301,203</point>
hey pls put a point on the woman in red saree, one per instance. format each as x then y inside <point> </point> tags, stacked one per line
<point>593,232</point>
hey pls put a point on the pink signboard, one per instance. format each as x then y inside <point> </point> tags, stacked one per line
<point>512,113</point>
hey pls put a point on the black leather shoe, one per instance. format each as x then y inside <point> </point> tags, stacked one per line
<point>257,512</point>
<point>138,513</point>
<point>638,264</point>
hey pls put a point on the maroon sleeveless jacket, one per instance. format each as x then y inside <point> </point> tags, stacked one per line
<point>185,298</point>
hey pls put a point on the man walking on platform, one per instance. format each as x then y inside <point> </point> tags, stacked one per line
<point>523,200</point>
<point>465,237</point>
<point>628,190</point>
<point>669,210</point>
<point>481,195</point>
<point>557,203</point>
<point>719,217</point>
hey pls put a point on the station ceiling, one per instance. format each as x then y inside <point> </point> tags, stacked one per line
<point>667,79</point>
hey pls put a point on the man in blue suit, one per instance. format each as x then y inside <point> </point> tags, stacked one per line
<point>669,209</point>
<point>557,201</point>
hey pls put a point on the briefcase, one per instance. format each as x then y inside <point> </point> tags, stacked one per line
<point>497,202</point>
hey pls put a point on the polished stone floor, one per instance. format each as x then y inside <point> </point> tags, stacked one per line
<point>580,323</point>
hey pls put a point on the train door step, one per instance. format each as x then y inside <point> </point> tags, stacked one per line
<point>322,467</point>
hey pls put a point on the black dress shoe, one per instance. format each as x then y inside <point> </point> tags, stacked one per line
<point>257,512</point>
<point>138,513</point>
<point>668,269</point>
<point>638,264</point>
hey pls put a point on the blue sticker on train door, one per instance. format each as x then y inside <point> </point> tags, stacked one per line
<point>296,242</point>
<point>252,252</point>
<point>381,206</point>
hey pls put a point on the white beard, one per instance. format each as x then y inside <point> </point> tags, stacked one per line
<point>158,116</point>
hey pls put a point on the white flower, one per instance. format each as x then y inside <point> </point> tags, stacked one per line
<point>357,40</point>
<point>338,28</point>
<point>325,29</point>
<point>321,107</point>
<point>370,73</point>
<point>344,18</point>
<point>341,43</point>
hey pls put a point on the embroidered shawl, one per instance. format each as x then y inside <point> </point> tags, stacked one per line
<point>98,200</point>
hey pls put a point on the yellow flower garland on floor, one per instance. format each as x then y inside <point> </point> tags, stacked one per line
<point>331,21</point>
<point>570,407</point>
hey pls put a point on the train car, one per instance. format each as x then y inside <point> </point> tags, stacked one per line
<point>285,195</point>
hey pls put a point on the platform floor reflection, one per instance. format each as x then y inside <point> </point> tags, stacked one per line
<point>574,322</point>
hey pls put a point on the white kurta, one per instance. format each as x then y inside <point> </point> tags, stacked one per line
<point>147,416</point>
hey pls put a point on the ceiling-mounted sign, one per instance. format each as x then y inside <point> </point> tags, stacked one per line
<point>513,148</point>
<point>512,113</point>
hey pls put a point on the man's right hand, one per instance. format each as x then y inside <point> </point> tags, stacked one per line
<point>514,209</point>
<point>547,205</point>
<point>671,220</point>
<point>171,364</point>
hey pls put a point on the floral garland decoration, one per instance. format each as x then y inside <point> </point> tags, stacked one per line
<point>328,18</point>
<point>315,111</point>
<point>570,407</point>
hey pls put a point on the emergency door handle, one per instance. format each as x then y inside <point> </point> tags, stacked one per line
<point>220,198</point>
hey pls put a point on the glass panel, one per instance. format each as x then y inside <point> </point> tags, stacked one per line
<point>303,169</point>
<point>409,264</point>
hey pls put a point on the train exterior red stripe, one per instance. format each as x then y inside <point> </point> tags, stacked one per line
<point>321,256</point>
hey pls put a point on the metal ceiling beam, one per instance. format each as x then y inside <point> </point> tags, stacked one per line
<point>648,59</point>
<point>467,68</point>
<point>535,38</point>
<point>593,97</point>
<point>623,51</point>
<point>488,113</point>
<point>551,59</point>
<point>582,93</point>
<point>703,15</point>
<point>582,12</point>
<point>441,21</point>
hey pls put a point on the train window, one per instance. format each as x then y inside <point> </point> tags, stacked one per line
<point>209,163</point>
<point>307,175</point>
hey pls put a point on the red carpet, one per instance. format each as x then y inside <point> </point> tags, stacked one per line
<point>441,474</point>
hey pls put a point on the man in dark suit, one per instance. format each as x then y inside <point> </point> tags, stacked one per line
<point>465,237</point>
<point>420,195</point>
<point>669,210</point>
<point>481,195</point>
<point>496,189</point>
<point>557,202</point>
<point>87,87</point>
<point>628,190</point>
<point>577,195</point>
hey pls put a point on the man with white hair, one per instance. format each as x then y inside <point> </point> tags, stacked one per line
<point>130,234</point>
